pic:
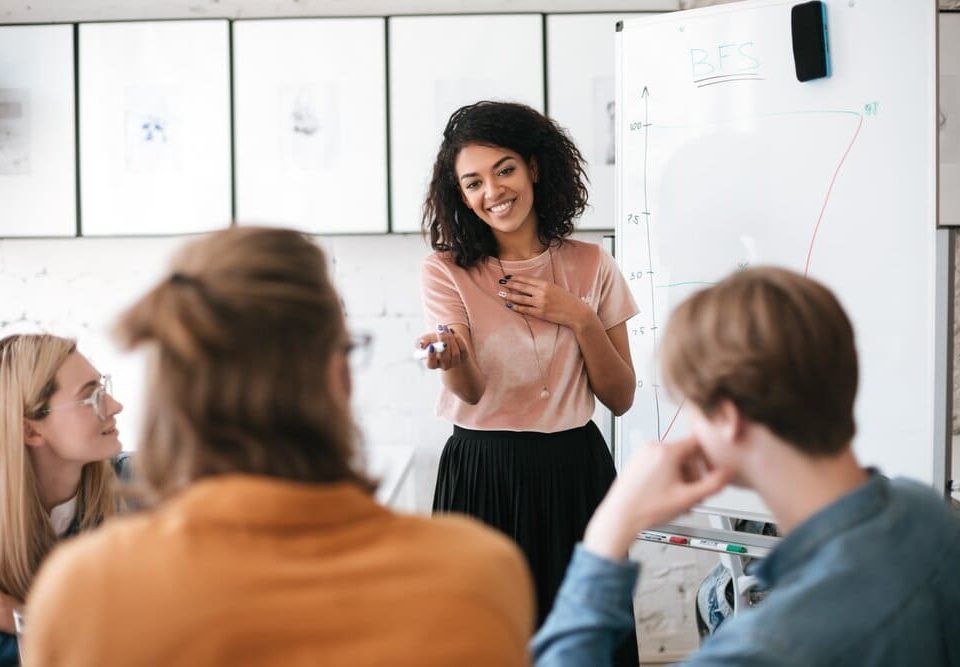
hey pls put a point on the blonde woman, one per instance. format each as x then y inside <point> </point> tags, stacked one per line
<point>266,546</point>
<point>57,436</point>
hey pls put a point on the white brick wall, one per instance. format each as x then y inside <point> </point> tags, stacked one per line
<point>77,287</point>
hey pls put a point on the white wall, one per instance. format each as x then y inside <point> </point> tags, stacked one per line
<point>75,287</point>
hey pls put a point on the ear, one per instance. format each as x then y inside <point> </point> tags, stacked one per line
<point>730,422</point>
<point>31,434</point>
<point>534,168</point>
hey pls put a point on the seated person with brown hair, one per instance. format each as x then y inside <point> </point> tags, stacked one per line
<point>266,546</point>
<point>867,571</point>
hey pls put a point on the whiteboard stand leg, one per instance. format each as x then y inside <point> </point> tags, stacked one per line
<point>742,583</point>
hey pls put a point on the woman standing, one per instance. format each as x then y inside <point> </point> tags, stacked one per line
<point>533,326</point>
<point>57,437</point>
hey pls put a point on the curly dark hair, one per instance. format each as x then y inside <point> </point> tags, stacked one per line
<point>560,193</point>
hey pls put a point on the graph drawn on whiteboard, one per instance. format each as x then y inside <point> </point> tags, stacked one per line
<point>747,160</point>
<point>727,161</point>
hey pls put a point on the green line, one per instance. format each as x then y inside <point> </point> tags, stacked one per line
<point>690,282</point>
<point>732,119</point>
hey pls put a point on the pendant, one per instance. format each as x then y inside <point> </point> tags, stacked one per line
<point>545,393</point>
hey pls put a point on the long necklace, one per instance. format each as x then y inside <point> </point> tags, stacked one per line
<point>544,391</point>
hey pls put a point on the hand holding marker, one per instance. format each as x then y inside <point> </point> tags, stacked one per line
<point>423,353</point>
<point>432,348</point>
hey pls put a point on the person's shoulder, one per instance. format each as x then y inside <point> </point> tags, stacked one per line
<point>584,253</point>
<point>439,260</point>
<point>576,247</point>
<point>461,532</point>
<point>440,263</point>
<point>925,512</point>
<point>916,493</point>
<point>90,559</point>
<point>454,537</point>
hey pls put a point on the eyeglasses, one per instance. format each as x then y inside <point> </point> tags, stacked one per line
<point>97,400</point>
<point>358,350</point>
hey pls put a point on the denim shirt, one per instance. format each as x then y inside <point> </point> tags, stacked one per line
<point>872,579</point>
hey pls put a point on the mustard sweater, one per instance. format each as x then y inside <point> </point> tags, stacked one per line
<point>243,570</point>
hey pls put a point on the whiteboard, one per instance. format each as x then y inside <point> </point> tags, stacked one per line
<point>437,65</point>
<point>311,124</point>
<point>726,160</point>
<point>581,98</point>
<point>38,178</point>
<point>154,127</point>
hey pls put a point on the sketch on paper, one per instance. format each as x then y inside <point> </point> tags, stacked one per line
<point>450,95</point>
<point>310,126</point>
<point>604,120</point>
<point>151,131</point>
<point>14,131</point>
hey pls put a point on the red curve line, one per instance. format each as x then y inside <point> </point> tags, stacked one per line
<point>826,200</point>
<point>677,414</point>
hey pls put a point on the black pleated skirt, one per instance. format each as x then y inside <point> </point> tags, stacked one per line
<point>540,489</point>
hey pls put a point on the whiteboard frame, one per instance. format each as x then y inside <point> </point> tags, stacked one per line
<point>37,68</point>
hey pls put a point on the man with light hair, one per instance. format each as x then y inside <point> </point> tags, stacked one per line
<point>866,574</point>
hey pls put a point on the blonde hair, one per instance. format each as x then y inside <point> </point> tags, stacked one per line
<point>241,337</point>
<point>775,343</point>
<point>28,369</point>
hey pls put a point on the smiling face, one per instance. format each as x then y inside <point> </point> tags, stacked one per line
<point>497,184</point>
<point>72,432</point>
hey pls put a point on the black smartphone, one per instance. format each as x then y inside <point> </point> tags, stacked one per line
<point>811,53</point>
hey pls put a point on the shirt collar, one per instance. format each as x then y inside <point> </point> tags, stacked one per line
<point>62,516</point>
<point>268,502</point>
<point>797,548</point>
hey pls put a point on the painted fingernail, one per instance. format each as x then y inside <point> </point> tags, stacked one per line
<point>508,305</point>
<point>441,328</point>
<point>502,294</point>
<point>508,276</point>
<point>430,348</point>
<point>503,281</point>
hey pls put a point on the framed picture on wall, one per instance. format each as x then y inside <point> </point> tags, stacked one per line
<point>310,110</point>
<point>580,96</point>
<point>438,64</point>
<point>949,118</point>
<point>38,181</point>
<point>154,127</point>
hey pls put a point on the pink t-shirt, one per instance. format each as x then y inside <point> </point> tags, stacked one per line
<point>505,352</point>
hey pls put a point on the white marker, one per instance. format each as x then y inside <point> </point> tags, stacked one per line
<point>423,353</point>
<point>707,544</point>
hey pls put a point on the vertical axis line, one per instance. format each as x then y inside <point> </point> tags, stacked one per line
<point>646,220</point>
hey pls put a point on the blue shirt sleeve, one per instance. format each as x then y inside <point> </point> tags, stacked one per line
<point>9,657</point>
<point>592,613</point>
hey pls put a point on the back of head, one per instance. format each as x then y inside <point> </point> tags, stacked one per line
<point>28,369</point>
<point>560,192</point>
<point>242,337</point>
<point>777,345</point>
